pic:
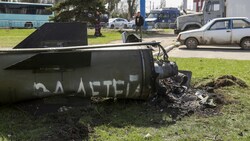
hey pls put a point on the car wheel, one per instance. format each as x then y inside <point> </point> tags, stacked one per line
<point>28,25</point>
<point>125,26</point>
<point>245,43</point>
<point>112,26</point>
<point>191,43</point>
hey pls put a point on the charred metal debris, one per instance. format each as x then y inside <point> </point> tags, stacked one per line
<point>175,95</point>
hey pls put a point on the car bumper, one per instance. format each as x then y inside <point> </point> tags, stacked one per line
<point>180,42</point>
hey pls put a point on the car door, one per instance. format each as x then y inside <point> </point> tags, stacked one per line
<point>117,23</point>
<point>123,22</point>
<point>240,29</point>
<point>120,23</point>
<point>218,33</point>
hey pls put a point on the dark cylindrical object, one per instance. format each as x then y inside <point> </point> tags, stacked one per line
<point>133,38</point>
<point>123,72</point>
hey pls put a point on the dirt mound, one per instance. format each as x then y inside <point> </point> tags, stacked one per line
<point>223,81</point>
<point>68,127</point>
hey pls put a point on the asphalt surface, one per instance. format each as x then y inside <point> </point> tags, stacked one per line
<point>222,52</point>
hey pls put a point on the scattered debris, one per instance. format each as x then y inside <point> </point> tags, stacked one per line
<point>241,134</point>
<point>64,109</point>
<point>180,101</point>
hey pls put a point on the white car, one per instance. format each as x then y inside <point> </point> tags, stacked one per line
<point>117,23</point>
<point>219,31</point>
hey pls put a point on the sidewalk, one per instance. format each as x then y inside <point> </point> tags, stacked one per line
<point>165,39</point>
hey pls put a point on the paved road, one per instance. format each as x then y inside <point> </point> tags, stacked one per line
<point>223,52</point>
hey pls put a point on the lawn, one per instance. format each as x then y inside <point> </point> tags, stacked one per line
<point>137,120</point>
<point>11,37</point>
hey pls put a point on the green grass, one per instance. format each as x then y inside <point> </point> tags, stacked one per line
<point>11,37</point>
<point>132,120</point>
<point>212,68</point>
<point>108,36</point>
<point>168,30</point>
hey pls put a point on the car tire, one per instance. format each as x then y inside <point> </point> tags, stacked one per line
<point>191,43</point>
<point>112,26</point>
<point>125,26</point>
<point>28,25</point>
<point>245,43</point>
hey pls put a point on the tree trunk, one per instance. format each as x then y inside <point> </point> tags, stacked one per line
<point>131,5</point>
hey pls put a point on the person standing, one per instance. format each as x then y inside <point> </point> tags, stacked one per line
<point>97,24</point>
<point>139,21</point>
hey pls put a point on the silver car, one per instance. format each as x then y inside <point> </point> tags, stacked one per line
<point>117,23</point>
<point>219,31</point>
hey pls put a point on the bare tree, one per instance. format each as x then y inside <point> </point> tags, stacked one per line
<point>111,4</point>
<point>163,4</point>
<point>132,5</point>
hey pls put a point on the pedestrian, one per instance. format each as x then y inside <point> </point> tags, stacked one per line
<point>98,24</point>
<point>139,21</point>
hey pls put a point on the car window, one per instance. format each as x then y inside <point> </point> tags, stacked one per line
<point>173,15</point>
<point>240,24</point>
<point>161,16</point>
<point>166,16</point>
<point>153,15</point>
<point>213,6</point>
<point>220,25</point>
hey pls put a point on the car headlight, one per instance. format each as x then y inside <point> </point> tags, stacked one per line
<point>179,37</point>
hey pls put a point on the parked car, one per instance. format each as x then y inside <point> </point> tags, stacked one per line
<point>162,18</point>
<point>219,31</point>
<point>117,23</point>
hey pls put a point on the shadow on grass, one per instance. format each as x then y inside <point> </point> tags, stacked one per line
<point>67,118</point>
<point>93,36</point>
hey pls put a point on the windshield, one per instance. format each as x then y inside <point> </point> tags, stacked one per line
<point>206,25</point>
<point>153,15</point>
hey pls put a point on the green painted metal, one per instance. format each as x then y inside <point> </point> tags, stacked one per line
<point>120,71</point>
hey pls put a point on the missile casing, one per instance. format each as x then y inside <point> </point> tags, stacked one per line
<point>119,72</point>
